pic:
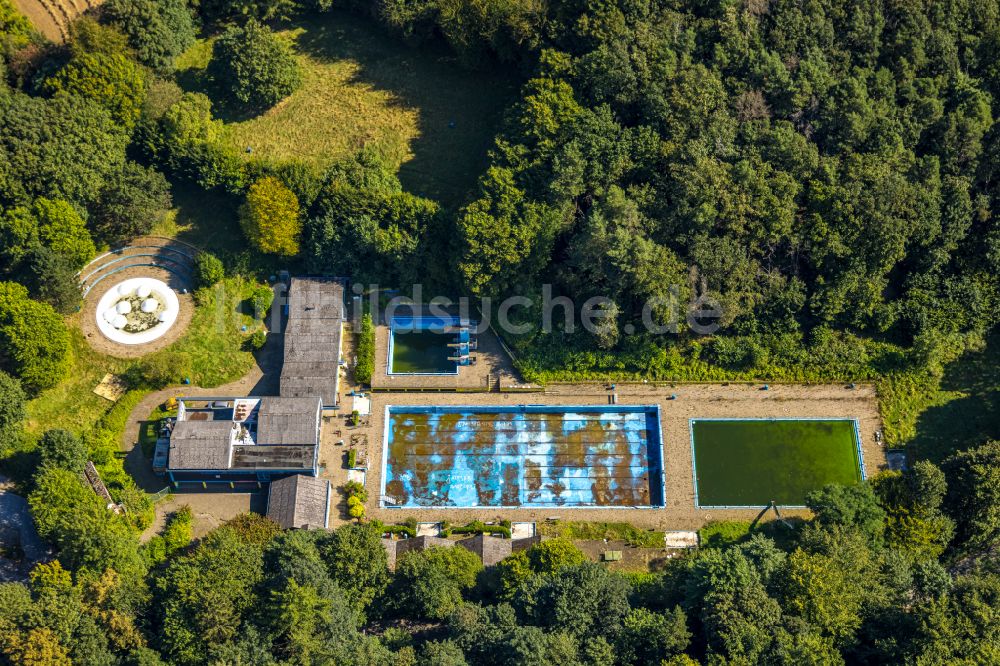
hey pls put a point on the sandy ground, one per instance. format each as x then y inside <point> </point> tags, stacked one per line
<point>87,316</point>
<point>693,401</point>
<point>46,18</point>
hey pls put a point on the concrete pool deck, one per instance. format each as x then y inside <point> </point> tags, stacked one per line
<point>693,401</point>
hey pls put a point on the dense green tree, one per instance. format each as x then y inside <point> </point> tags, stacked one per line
<point>584,600</point>
<point>357,563</point>
<point>204,596</point>
<point>855,506</point>
<point>113,81</point>
<point>129,204</point>
<point>52,279</point>
<point>89,536</point>
<point>63,450</point>
<point>271,217</point>
<point>255,67</point>
<point>34,341</point>
<point>429,584</point>
<point>59,148</point>
<point>441,653</point>
<point>158,31</point>
<point>973,497</point>
<point>12,410</point>
<point>63,230</point>
<point>209,270</point>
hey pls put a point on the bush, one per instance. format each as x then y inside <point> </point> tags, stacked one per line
<point>270,217</point>
<point>208,270</point>
<point>365,366</point>
<point>12,410</point>
<point>352,458</point>
<point>63,450</point>
<point>160,370</point>
<point>256,340</point>
<point>355,508</point>
<point>478,527</point>
<point>355,489</point>
<point>254,67</point>
<point>260,300</point>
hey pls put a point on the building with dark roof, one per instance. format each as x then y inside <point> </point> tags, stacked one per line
<point>490,549</point>
<point>313,338</point>
<point>243,442</point>
<point>299,502</point>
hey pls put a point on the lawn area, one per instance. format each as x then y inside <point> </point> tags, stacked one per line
<point>431,119</point>
<point>752,462</point>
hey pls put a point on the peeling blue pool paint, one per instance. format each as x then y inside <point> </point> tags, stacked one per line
<point>522,456</point>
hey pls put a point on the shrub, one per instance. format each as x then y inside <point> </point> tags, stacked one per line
<point>355,489</point>
<point>365,366</point>
<point>723,533</point>
<point>160,370</point>
<point>12,410</point>
<point>352,458</point>
<point>208,270</point>
<point>256,340</point>
<point>355,508</point>
<point>260,300</point>
<point>254,67</point>
<point>270,217</point>
<point>62,449</point>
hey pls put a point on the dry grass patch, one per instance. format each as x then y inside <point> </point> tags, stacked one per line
<point>426,116</point>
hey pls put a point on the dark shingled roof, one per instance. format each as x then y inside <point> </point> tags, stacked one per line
<point>490,549</point>
<point>200,445</point>
<point>312,338</point>
<point>299,502</point>
<point>288,421</point>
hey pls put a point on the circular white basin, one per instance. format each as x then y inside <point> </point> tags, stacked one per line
<point>115,314</point>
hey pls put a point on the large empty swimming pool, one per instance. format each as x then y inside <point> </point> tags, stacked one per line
<point>524,456</point>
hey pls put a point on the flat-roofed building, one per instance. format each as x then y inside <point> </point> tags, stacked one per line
<point>243,442</point>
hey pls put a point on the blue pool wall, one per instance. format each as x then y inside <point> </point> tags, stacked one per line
<point>694,464</point>
<point>654,447</point>
<point>419,323</point>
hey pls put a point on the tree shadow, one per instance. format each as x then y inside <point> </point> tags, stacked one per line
<point>458,111</point>
<point>969,419</point>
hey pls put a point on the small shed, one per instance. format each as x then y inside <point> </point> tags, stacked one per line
<point>299,502</point>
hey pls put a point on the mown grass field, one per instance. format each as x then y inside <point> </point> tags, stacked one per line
<point>424,114</point>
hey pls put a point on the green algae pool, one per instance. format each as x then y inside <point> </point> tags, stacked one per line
<point>421,352</point>
<point>750,462</point>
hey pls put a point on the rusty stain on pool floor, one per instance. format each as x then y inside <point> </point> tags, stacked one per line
<point>525,456</point>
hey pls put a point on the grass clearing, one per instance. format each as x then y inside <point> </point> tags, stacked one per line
<point>595,531</point>
<point>212,344</point>
<point>426,116</point>
<point>752,462</point>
